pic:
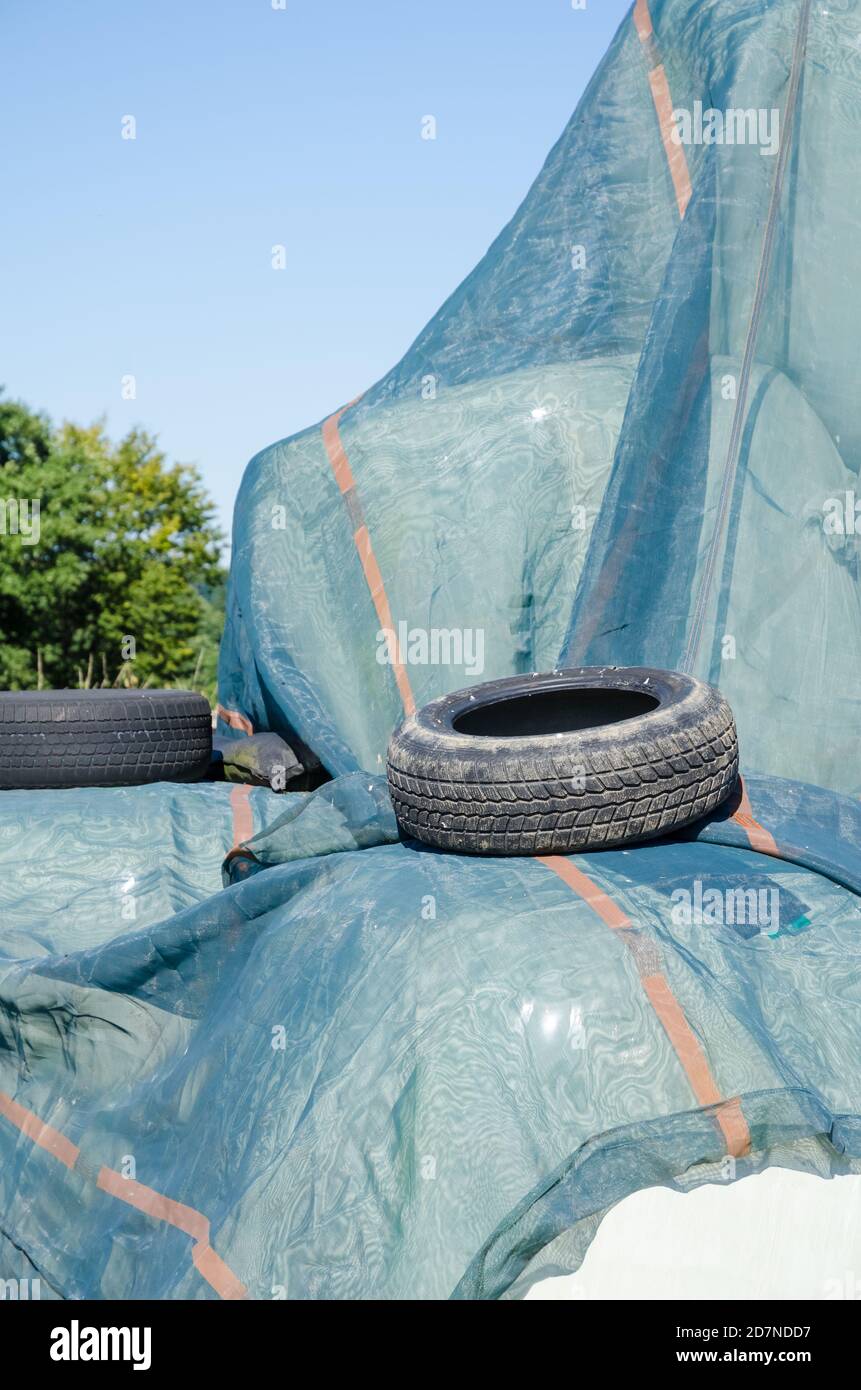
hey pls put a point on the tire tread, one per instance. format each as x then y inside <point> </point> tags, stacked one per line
<point>636,791</point>
<point>102,738</point>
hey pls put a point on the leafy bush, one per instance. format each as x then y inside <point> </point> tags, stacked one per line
<point>125,584</point>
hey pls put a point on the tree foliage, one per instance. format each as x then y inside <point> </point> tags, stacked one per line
<point>127,560</point>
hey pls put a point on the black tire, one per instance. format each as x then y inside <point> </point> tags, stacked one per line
<point>102,738</point>
<point>573,760</point>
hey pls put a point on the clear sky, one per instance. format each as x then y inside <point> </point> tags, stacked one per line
<point>258,127</point>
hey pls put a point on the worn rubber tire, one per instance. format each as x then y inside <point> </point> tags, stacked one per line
<point>551,792</point>
<point>102,738</point>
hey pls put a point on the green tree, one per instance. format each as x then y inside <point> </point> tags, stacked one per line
<point>127,558</point>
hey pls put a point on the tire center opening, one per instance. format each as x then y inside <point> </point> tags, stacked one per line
<point>553,712</point>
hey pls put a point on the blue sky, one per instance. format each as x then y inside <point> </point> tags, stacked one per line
<point>257,127</point>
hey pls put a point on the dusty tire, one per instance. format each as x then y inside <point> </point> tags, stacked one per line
<point>102,738</point>
<point>573,760</point>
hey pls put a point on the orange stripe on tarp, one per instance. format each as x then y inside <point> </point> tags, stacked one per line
<point>243,815</point>
<point>663,102</point>
<point>642,20</point>
<point>760,838</point>
<point>186,1219</point>
<point>136,1194</point>
<point>597,899</point>
<point>47,1138</point>
<point>676,158</point>
<point>728,1114</point>
<point>154,1204</point>
<point>337,456</point>
<point>377,589</point>
<point>667,1008</point>
<point>217,1273</point>
<point>234,719</point>
<point>336,451</point>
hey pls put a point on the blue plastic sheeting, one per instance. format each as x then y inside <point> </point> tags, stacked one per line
<point>95,857</point>
<point>388,1072</point>
<point>629,437</point>
<point>258,1046</point>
